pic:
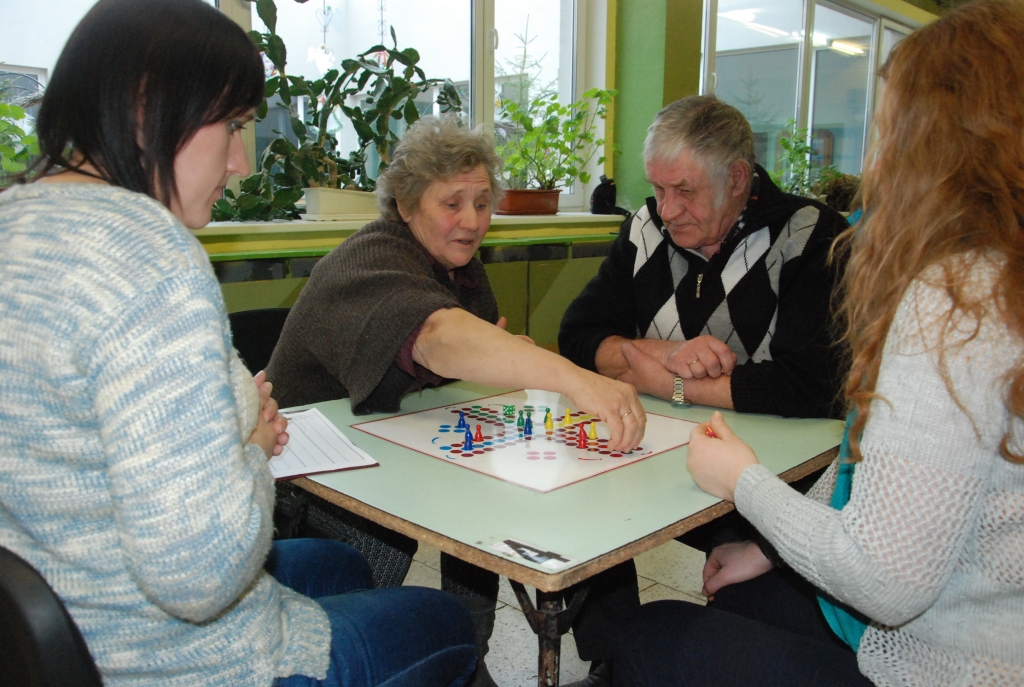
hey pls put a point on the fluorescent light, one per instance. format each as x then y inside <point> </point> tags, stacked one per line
<point>742,16</point>
<point>846,48</point>
<point>770,30</point>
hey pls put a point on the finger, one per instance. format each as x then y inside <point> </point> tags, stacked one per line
<point>719,427</point>
<point>527,339</point>
<point>502,323</point>
<point>282,439</point>
<point>260,377</point>
<point>698,369</point>
<point>270,410</point>
<point>616,427</point>
<point>712,364</point>
<point>711,566</point>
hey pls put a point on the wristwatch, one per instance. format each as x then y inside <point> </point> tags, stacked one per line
<point>678,393</point>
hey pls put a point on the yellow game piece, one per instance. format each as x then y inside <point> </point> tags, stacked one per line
<point>593,431</point>
<point>568,418</point>
<point>549,424</point>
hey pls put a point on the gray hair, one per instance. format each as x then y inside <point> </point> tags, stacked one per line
<point>434,149</point>
<point>716,132</point>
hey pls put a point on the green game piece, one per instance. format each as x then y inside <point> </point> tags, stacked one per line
<point>520,422</point>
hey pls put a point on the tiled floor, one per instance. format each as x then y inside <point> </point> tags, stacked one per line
<point>671,571</point>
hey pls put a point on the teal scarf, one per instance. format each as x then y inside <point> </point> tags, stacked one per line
<point>848,624</point>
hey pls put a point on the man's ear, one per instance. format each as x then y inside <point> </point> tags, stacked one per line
<point>739,178</point>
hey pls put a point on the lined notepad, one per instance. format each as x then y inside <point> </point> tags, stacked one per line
<point>316,445</point>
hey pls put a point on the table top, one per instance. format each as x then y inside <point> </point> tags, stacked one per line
<point>599,522</point>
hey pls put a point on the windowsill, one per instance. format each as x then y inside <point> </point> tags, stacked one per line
<point>574,219</point>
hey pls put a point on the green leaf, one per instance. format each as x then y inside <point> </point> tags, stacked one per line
<point>411,113</point>
<point>270,87</point>
<point>298,128</point>
<point>267,11</point>
<point>394,38</point>
<point>285,93</point>
<point>261,111</point>
<point>277,53</point>
<point>247,202</point>
<point>11,166</point>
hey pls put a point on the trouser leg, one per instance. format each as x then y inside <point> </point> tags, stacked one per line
<point>613,599</point>
<point>394,637</point>
<point>477,589</point>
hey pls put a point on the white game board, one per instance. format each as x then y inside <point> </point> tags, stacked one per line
<point>544,461</point>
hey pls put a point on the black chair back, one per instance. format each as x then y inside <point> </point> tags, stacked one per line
<point>40,646</point>
<point>255,333</point>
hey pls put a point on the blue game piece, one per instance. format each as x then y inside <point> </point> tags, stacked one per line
<point>528,427</point>
<point>462,421</point>
<point>468,446</point>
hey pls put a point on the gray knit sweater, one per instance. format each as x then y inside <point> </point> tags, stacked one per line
<point>124,474</point>
<point>362,302</point>
<point>931,543</point>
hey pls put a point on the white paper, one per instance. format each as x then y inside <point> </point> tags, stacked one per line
<point>316,445</point>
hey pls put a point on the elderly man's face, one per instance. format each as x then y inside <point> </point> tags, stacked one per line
<point>688,200</point>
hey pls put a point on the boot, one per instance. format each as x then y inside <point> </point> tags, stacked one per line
<point>600,676</point>
<point>482,611</point>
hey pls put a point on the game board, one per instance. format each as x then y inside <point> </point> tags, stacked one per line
<point>546,459</point>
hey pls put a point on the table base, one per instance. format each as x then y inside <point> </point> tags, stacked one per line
<point>549,622</point>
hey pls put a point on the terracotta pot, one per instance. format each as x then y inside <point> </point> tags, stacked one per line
<point>531,201</point>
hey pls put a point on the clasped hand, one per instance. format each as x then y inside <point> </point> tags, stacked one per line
<point>271,426</point>
<point>703,356</point>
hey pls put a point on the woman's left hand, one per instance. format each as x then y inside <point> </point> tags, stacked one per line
<point>717,462</point>
<point>502,324</point>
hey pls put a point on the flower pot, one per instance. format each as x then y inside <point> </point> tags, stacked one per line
<point>334,203</point>
<point>530,201</point>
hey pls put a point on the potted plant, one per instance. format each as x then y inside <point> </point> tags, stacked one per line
<point>17,146</point>
<point>837,188</point>
<point>383,82</point>
<point>549,147</point>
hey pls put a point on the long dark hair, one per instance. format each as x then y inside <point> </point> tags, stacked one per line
<point>136,80</point>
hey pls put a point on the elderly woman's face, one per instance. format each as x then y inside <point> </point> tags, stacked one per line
<point>453,216</point>
<point>689,200</point>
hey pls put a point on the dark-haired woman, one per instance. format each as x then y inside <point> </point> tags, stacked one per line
<point>133,456</point>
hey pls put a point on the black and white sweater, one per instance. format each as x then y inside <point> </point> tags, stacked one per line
<point>767,294</point>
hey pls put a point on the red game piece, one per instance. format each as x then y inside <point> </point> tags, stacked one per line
<point>479,434</point>
<point>581,440</point>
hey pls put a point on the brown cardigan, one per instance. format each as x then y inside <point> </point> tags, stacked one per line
<point>362,301</point>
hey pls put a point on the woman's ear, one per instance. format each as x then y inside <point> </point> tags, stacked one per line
<point>403,212</point>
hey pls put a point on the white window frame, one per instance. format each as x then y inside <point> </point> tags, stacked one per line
<point>805,62</point>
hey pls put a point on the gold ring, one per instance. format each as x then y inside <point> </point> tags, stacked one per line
<point>628,412</point>
<point>692,362</point>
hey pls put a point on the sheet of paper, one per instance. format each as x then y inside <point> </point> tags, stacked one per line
<point>316,445</point>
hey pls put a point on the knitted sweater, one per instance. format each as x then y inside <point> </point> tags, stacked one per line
<point>344,334</point>
<point>931,544</point>
<point>124,476</point>
<point>766,294</point>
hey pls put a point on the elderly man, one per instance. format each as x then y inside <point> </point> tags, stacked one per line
<point>717,291</point>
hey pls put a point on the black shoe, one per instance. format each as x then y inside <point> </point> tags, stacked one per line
<point>600,676</point>
<point>481,677</point>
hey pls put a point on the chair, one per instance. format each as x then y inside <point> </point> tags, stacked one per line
<point>255,333</point>
<point>40,646</point>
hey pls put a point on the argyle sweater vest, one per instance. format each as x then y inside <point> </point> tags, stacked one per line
<point>766,294</point>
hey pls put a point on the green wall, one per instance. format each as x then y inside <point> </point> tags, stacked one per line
<point>639,78</point>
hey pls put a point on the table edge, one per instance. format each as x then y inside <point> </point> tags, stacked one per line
<point>546,582</point>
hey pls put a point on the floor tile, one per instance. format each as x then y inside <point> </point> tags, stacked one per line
<point>428,556</point>
<point>512,660</point>
<point>644,582</point>
<point>660,592</point>
<point>674,565</point>
<point>421,575</point>
<point>506,594</point>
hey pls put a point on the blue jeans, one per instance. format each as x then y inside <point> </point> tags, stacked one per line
<point>394,637</point>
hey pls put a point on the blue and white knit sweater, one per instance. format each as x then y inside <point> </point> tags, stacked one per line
<point>124,476</point>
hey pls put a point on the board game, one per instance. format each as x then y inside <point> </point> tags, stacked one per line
<point>531,438</point>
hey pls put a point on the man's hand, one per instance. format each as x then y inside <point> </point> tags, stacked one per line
<point>732,563</point>
<point>646,373</point>
<point>703,356</point>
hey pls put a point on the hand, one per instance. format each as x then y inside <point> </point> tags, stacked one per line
<point>269,412</point>
<point>645,373</point>
<point>716,463</point>
<point>704,356</point>
<point>502,323</point>
<point>732,563</point>
<point>615,403</point>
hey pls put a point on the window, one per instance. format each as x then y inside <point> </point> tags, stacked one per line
<point>760,58</point>
<point>493,50</point>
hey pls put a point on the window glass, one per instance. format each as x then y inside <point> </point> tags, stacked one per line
<point>35,32</point>
<point>757,46</point>
<point>842,46</point>
<point>319,35</point>
<point>890,37</point>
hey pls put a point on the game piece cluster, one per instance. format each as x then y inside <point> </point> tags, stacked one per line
<point>584,438</point>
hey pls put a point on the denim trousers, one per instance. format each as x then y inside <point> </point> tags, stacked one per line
<point>767,631</point>
<point>393,637</point>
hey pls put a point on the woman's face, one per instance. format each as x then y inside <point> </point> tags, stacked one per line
<point>453,216</point>
<point>203,166</point>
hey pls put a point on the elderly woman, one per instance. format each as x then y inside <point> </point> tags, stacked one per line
<point>403,304</point>
<point>905,564</point>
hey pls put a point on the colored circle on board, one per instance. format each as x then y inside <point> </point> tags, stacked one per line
<point>550,457</point>
<point>532,457</point>
<point>604,453</point>
<point>478,453</point>
<point>444,431</point>
<point>616,455</point>
<point>446,426</point>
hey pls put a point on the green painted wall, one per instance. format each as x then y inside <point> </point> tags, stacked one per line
<point>683,33</point>
<point>639,78</point>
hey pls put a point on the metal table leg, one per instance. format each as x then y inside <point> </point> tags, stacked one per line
<point>549,621</point>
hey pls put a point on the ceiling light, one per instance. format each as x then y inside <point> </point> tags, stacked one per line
<point>846,48</point>
<point>742,16</point>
